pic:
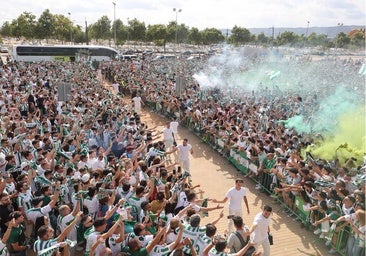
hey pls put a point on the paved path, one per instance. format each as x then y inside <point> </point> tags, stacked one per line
<point>215,175</point>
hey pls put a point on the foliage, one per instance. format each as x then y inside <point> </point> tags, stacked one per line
<point>60,27</point>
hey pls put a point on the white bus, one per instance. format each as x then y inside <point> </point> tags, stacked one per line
<point>34,53</point>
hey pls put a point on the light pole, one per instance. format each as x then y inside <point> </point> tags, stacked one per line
<point>306,34</point>
<point>114,24</point>
<point>70,28</point>
<point>176,24</point>
<point>128,29</point>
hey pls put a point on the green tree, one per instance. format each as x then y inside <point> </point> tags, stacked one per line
<point>358,39</point>
<point>288,38</point>
<point>45,25</point>
<point>121,31</point>
<point>212,36</point>
<point>137,30</point>
<point>24,25</point>
<point>157,34</point>
<point>195,36</point>
<point>78,35</point>
<point>182,33</point>
<point>62,27</point>
<point>262,39</point>
<point>239,36</point>
<point>171,29</point>
<point>6,29</point>
<point>101,29</point>
<point>342,40</point>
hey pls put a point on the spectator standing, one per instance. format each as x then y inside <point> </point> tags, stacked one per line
<point>235,243</point>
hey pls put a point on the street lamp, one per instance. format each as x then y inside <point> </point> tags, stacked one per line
<point>114,24</point>
<point>70,28</point>
<point>176,24</point>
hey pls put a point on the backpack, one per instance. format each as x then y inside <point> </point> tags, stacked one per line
<point>244,243</point>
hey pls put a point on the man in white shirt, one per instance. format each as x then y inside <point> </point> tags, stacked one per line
<point>260,229</point>
<point>168,137</point>
<point>235,194</point>
<point>183,154</point>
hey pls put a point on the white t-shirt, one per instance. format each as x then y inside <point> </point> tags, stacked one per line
<point>34,213</point>
<point>183,152</point>
<point>236,197</point>
<point>167,134</point>
<point>261,232</point>
<point>174,126</point>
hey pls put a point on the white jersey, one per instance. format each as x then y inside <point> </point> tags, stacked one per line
<point>202,242</point>
<point>235,197</point>
<point>3,249</point>
<point>113,245</point>
<point>192,233</point>
<point>167,133</point>
<point>160,250</point>
<point>174,126</point>
<point>40,245</point>
<point>92,238</point>
<point>260,233</point>
<point>63,222</point>
<point>24,200</point>
<point>34,213</point>
<point>183,153</point>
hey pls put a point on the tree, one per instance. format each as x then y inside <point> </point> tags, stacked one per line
<point>239,35</point>
<point>212,36</point>
<point>315,39</point>
<point>24,25</point>
<point>287,38</point>
<point>195,36</point>
<point>121,31</point>
<point>342,40</point>
<point>62,27</point>
<point>262,39</point>
<point>101,29</point>
<point>171,29</point>
<point>182,33</point>
<point>137,30</point>
<point>45,25</point>
<point>78,35</point>
<point>358,39</point>
<point>157,34</point>
<point>6,29</point>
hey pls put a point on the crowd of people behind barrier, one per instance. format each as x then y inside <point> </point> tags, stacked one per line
<point>248,124</point>
<point>89,170</point>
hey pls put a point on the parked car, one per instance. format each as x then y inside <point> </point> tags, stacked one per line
<point>4,49</point>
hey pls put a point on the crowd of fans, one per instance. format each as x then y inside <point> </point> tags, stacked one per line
<point>87,174</point>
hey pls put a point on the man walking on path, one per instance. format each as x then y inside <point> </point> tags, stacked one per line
<point>235,194</point>
<point>184,150</point>
<point>260,229</point>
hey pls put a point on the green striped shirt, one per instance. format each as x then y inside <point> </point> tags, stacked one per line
<point>40,245</point>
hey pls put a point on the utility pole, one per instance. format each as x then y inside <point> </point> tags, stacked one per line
<point>114,24</point>
<point>86,32</point>
<point>176,25</point>
<point>70,28</point>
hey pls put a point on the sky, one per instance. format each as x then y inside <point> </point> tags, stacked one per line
<point>201,14</point>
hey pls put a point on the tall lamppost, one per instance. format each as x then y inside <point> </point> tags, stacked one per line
<point>306,33</point>
<point>114,24</point>
<point>176,24</point>
<point>70,28</point>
